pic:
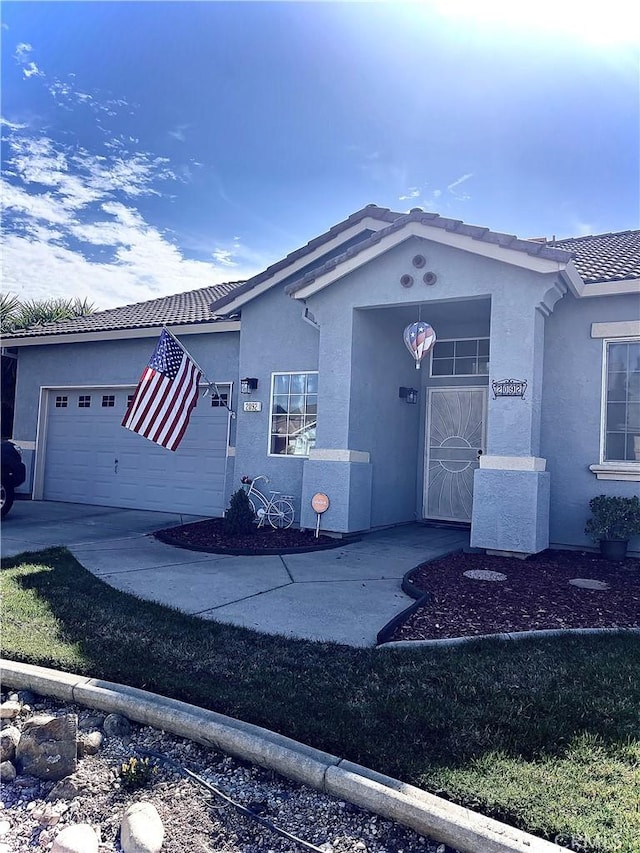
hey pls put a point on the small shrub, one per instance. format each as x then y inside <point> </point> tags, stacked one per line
<point>137,773</point>
<point>613,517</point>
<point>239,518</point>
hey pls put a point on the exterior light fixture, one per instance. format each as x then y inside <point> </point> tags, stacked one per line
<point>409,395</point>
<point>248,385</point>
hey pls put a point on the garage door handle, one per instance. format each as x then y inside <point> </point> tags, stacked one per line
<point>115,466</point>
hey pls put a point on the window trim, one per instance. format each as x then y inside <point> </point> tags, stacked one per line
<point>612,469</point>
<point>272,386</point>
<point>478,338</point>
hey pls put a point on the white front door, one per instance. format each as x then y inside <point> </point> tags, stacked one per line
<point>455,434</point>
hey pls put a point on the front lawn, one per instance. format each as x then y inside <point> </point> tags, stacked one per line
<point>544,734</point>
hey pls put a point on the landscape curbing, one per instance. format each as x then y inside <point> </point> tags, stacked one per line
<point>513,636</point>
<point>423,598</point>
<point>460,828</point>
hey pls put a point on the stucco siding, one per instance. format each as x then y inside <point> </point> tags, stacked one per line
<point>274,338</point>
<point>571,412</point>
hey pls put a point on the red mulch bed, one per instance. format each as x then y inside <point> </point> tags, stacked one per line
<point>209,536</point>
<point>536,595</point>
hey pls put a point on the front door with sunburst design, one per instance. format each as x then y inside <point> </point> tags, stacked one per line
<point>455,433</point>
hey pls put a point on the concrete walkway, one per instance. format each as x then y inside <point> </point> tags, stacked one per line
<point>344,595</point>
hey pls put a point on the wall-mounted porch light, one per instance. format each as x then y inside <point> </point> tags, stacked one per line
<point>409,395</point>
<point>248,385</point>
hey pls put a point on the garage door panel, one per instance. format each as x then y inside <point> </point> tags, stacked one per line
<point>91,458</point>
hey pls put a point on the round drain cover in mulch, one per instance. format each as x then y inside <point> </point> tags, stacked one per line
<point>588,583</point>
<point>484,575</point>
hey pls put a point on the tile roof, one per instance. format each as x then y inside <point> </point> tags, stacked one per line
<point>180,309</point>
<point>605,257</point>
<point>476,232</point>
<point>600,258</point>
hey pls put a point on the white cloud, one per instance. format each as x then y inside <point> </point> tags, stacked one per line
<point>179,132</point>
<point>69,232</point>
<point>31,70</point>
<point>21,55</point>
<point>453,187</point>
<point>412,192</point>
<point>71,224</point>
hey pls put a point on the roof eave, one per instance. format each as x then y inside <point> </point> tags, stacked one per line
<point>124,334</point>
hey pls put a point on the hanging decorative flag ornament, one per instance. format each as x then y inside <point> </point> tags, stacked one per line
<point>419,338</point>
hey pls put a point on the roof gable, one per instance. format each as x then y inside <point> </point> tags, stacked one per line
<point>356,227</point>
<point>506,247</point>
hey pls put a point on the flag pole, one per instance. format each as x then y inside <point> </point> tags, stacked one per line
<point>204,375</point>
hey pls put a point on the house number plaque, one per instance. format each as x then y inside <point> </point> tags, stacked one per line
<point>509,388</point>
<point>252,406</point>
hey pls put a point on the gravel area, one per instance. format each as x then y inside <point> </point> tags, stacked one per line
<point>534,594</point>
<point>193,820</point>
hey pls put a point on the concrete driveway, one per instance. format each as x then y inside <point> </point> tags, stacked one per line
<point>344,595</point>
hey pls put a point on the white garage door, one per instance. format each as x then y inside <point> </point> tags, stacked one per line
<point>90,458</point>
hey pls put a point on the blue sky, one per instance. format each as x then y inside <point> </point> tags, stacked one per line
<point>155,147</point>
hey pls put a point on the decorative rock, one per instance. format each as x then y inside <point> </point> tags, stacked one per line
<point>66,789</point>
<point>7,771</point>
<point>9,710</point>
<point>115,725</point>
<point>484,575</point>
<point>141,830</point>
<point>46,816</point>
<point>9,739</point>
<point>89,744</point>
<point>27,697</point>
<point>90,721</point>
<point>589,583</point>
<point>77,838</point>
<point>48,747</point>
<point>5,826</point>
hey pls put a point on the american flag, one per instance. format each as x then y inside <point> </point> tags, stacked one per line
<point>165,396</point>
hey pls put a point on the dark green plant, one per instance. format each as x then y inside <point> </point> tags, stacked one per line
<point>613,517</point>
<point>239,517</point>
<point>137,773</point>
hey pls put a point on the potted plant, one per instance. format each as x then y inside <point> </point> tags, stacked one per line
<point>614,520</point>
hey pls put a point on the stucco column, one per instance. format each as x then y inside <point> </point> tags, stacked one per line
<point>341,472</point>
<point>511,486</point>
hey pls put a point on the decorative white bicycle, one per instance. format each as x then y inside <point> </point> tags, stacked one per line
<point>277,510</point>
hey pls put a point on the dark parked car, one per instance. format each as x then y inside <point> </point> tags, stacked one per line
<point>13,475</point>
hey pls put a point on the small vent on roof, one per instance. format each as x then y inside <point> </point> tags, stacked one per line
<point>429,278</point>
<point>406,280</point>
<point>419,261</point>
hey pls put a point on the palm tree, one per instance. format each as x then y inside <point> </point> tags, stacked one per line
<point>18,314</point>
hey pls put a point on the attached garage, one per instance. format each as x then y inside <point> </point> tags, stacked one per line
<point>86,456</point>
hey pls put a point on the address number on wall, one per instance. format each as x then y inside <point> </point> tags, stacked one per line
<point>252,406</point>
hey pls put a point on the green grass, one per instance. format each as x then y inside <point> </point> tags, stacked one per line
<point>544,734</point>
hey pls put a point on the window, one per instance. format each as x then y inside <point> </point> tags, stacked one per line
<point>108,401</point>
<point>61,402</point>
<point>84,401</point>
<point>130,400</point>
<point>221,399</point>
<point>464,357</point>
<point>294,406</point>
<point>622,402</point>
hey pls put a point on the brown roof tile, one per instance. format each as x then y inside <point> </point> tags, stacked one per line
<point>605,257</point>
